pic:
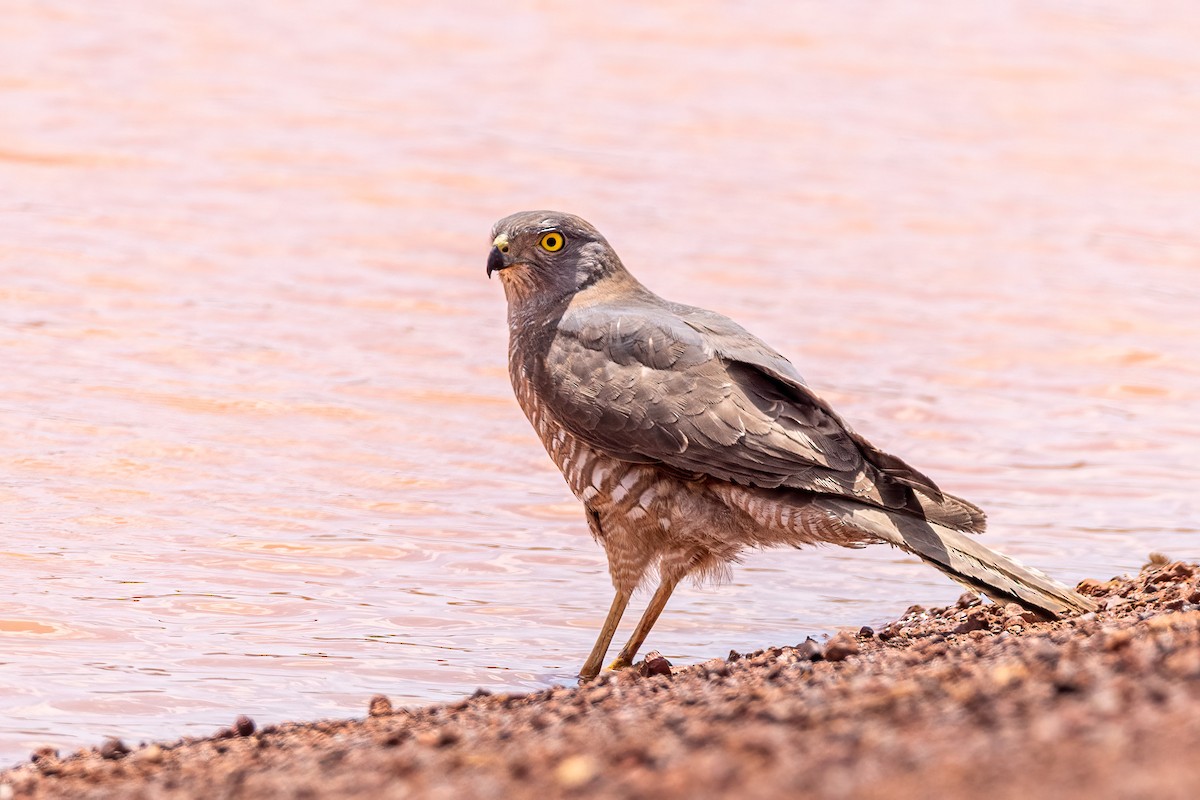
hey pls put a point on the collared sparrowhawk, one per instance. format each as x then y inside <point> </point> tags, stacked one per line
<point>688,440</point>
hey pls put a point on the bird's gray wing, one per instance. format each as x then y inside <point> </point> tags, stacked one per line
<point>694,392</point>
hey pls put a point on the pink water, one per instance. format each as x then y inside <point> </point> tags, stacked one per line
<point>258,451</point>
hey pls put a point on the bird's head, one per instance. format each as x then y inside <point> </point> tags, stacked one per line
<point>548,256</point>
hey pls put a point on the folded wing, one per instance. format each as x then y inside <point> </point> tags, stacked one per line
<point>690,390</point>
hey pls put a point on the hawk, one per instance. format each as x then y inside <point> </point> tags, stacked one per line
<point>688,440</point>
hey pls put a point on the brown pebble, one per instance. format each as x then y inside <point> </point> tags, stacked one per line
<point>46,753</point>
<point>113,748</point>
<point>866,632</point>
<point>889,632</point>
<point>973,622</point>
<point>243,725</point>
<point>734,655</point>
<point>380,706</point>
<point>655,664</point>
<point>967,600</point>
<point>840,647</point>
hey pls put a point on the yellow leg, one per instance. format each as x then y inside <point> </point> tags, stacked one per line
<point>657,603</point>
<point>591,667</point>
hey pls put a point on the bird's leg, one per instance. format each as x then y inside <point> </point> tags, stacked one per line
<point>591,667</point>
<point>649,617</point>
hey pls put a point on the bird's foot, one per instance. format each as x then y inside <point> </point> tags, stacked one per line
<point>619,663</point>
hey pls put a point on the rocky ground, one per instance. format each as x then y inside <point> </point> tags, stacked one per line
<point>968,701</point>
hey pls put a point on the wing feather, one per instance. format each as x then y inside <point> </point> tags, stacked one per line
<point>654,382</point>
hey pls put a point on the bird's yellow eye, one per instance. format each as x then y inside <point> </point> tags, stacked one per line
<point>552,241</point>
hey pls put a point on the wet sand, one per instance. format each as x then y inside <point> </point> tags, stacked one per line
<point>970,700</point>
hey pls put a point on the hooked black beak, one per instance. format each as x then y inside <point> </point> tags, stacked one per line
<point>495,261</point>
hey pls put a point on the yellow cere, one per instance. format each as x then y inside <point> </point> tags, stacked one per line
<point>501,243</point>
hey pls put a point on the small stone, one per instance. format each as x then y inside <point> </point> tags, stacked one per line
<point>46,753</point>
<point>380,706</point>
<point>890,631</point>
<point>655,664</point>
<point>1180,570</point>
<point>840,647</point>
<point>967,600</point>
<point>866,632</point>
<point>481,692</point>
<point>716,668</point>
<point>243,725</point>
<point>973,622</point>
<point>113,749</point>
<point>151,754</point>
<point>576,771</point>
<point>810,649</point>
<point>734,655</point>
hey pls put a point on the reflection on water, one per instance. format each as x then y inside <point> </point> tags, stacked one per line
<point>259,453</point>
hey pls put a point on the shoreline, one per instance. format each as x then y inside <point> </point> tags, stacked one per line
<point>970,700</point>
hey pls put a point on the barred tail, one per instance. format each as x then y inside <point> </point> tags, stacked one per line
<point>964,559</point>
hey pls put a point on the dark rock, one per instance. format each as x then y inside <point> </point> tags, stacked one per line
<point>244,726</point>
<point>810,649</point>
<point>113,748</point>
<point>655,664</point>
